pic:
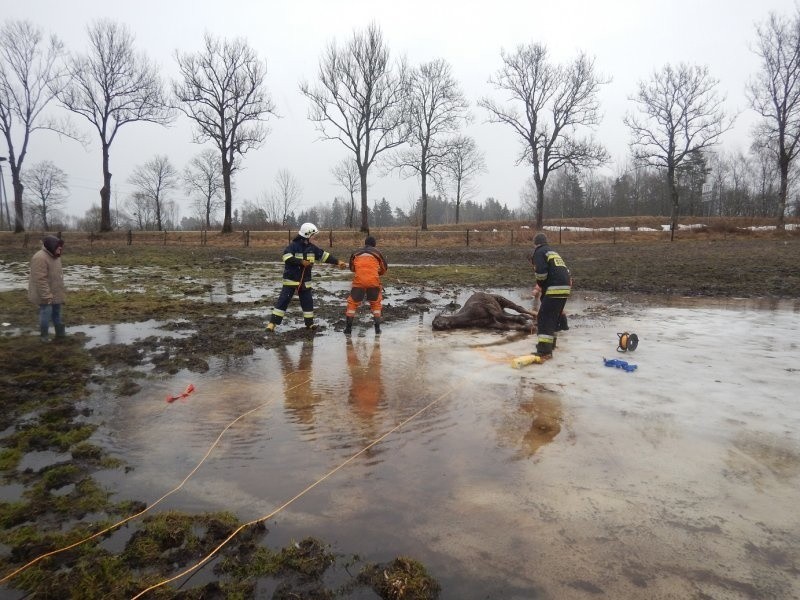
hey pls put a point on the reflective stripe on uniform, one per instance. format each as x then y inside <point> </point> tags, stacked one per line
<point>278,312</point>
<point>325,256</point>
<point>546,339</point>
<point>558,290</point>
<point>308,315</point>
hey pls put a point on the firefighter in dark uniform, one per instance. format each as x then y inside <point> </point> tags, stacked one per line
<point>553,287</point>
<point>298,259</point>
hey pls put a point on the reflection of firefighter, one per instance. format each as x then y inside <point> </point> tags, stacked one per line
<point>368,264</point>
<point>366,387</point>
<point>547,412</point>
<point>299,399</point>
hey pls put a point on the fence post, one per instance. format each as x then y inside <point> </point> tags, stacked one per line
<point>467,232</point>
<point>614,235</point>
<point>559,234</point>
<point>25,240</point>
<point>512,237</point>
<point>416,238</point>
<point>130,237</point>
<point>330,238</point>
<point>164,243</point>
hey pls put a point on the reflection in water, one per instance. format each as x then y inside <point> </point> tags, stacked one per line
<point>539,420</point>
<point>300,400</point>
<point>366,386</point>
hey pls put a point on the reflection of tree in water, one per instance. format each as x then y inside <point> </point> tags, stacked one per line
<point>299,399</point>
<point>537,422</point>
<point>366,385</point>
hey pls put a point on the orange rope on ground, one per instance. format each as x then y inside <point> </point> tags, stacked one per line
<point>210,555</point>
<point>151,506</point>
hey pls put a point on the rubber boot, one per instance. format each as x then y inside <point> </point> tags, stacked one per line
<point>43,334</point>
<point>377,321</point>
<point>348,326</point>
<point>61,331</point>
<point>310,325</point>
<point>544,350</point>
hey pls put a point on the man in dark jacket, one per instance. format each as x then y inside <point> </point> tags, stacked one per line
<point>553,287</point>
<point>298,259</point>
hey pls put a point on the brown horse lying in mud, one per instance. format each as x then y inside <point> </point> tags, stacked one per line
<point>486,311</point>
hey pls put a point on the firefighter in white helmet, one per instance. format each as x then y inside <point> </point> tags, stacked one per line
<point>299,258</point>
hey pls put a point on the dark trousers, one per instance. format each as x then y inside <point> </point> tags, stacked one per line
<point>547,322</point>
<point>306,302</point>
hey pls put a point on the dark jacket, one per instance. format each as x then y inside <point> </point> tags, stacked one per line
<point>295,253</point>
<point>552,274</point>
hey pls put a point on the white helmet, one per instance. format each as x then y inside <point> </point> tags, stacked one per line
<point>308,229</point>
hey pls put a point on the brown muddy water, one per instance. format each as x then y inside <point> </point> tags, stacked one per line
<point>564,480</point>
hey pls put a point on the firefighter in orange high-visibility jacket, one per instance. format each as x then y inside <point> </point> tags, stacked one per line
<point>368,264</point>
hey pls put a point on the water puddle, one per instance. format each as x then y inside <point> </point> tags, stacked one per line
<point>678,479</point>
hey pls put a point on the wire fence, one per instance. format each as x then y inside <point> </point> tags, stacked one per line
<point>452,237</point>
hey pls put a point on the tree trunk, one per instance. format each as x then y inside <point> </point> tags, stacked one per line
<point>105,194</point>
<point>539,202</point>
<point>783,163</point>
<point>158,215</point>
<point>424,180</point>
<point>19,217</point>
<point>364,208</point>
<point>226,184</point>
<point>458,200</point>
<point>673,194</point>
<point>351,216</point>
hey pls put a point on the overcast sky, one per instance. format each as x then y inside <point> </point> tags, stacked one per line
<point>629,39</point>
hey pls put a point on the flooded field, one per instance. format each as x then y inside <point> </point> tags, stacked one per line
<point>564,480</point>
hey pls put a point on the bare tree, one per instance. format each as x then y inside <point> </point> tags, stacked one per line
<point>222,90</point>
<point>142,209</point>
<point>462,162</point>
<point>202,180</point>
<point>30,76</point>
<point>359,101</point>
<point>347,175</point>
<point>680,114</point>
<point>286,195</point>
<point>774,92</point>
<point>153,181</point>
<point>555,101</point>
<point>112,86</point>
<point>48,186</point>
<point>436,108</point>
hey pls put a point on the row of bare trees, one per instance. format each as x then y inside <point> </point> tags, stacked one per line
<point>409,118</point>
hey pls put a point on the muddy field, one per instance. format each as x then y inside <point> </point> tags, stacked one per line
<point>78,452</point>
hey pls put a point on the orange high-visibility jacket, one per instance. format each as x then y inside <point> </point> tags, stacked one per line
<point>368,264</point>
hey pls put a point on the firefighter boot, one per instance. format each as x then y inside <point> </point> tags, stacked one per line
<point>377,321</point>
<point>61,331</point>
<point>348,327</point>
<point>544,350</point>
